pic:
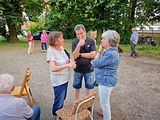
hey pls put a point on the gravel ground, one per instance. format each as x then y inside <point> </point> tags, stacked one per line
<point>136,96</point>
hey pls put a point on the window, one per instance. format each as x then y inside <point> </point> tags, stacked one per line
<point>150,28</point>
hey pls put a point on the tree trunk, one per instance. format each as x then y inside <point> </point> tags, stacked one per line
<point>133,7</point>
<point>12,32</point>
<point>99,34</point>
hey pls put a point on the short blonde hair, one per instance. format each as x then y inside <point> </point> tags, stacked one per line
<point>112,37</point>
<point>6,82</point>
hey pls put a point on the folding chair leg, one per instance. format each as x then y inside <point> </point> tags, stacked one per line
<point>30,102</point>
<point>32,96</point>
<point>91,117</point>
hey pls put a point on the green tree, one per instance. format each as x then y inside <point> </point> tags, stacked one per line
<point>11,11</point>
<point>2,26</point>
<point>147,11</point>
<point>110,14</point>
<point>94,14</point>
<point>101,15</point>
<point>65,14</point>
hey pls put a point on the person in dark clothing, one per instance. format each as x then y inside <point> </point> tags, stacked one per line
<point>84,51</point>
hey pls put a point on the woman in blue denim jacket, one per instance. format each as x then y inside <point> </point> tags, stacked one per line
<point>106,63</point>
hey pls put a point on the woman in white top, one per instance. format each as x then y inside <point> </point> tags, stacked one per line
<point>59,64</point>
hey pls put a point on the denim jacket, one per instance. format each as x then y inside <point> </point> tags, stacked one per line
<point>106,67</point>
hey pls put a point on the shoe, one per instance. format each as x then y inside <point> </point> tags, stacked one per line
<point>135,56</point>
<point>100,113</point>
<point>95,84</point>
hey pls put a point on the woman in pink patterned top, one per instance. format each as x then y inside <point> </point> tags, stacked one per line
<point>44,38</point>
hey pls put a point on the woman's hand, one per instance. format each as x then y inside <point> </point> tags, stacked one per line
<point>100,48</point>
<point>71,64</point>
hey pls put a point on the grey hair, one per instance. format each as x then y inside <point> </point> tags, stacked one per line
<point>79,26</point>
<point>112,37</point>
<point>6,82</point>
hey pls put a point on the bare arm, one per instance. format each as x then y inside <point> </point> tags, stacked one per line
<point>76,52</point>
<point>89,55</point>
<point>98,55</point>
<point>55,68</point>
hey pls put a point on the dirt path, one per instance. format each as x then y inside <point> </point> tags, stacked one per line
<point>136,97</point>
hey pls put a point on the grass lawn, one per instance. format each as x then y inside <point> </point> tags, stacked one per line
<point>147,50</point>
<point>19,44</point>
<point>22,42</point>
<point>144,50</point>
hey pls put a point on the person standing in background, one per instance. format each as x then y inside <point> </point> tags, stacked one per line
<point>133,41</point>
<point>59,64</point>
<point>83,50</point>
<point>44,37</point>
<point>94,36</point>
<point>30,41</point>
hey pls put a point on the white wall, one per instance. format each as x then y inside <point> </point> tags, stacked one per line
<point>155,27</point>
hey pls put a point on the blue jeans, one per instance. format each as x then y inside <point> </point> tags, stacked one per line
<point>59,97</point>
<point>36,112</point>
<point>88,78</point>
<point>43,46</point>
<point>104,96</point>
